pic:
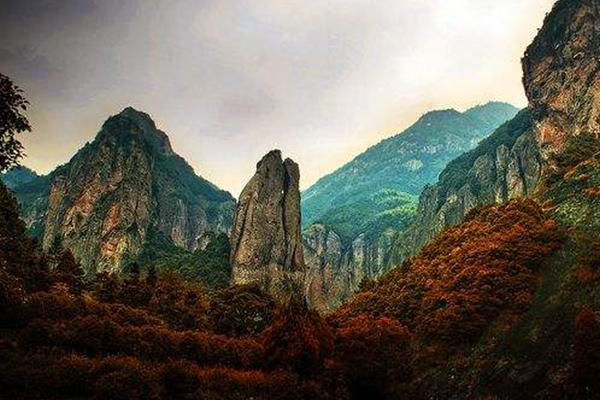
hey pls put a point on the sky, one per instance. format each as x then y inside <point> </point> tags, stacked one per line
<point>229,80</point>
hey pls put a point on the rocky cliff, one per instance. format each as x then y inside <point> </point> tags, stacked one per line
<point>265,239</point>
<point>128,181</point>
<point>351,243</point>
<point>504,166</point>
<point>562,74</point>
<point>336,270</point>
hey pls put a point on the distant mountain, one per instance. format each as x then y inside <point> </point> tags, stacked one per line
<point>17,176</point>
<point>354,217</point>
<point>408,161</point>
<point>504,166</point>
<point>117,191</point>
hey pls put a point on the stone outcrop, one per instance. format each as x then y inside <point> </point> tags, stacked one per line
<point>562,74</point>
<point>128,181</point>
<point>336,271</point>
<point>265,239</point>
<point>506,165</point>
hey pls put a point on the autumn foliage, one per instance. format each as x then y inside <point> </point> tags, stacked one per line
<point>468,277</point>
<point>381,346</point>
<point>157,336</point>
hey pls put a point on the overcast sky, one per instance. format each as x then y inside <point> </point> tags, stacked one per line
<point>228,80</point>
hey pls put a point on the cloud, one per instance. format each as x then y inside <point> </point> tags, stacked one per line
<point>230,79</point>
<point>23,61</point>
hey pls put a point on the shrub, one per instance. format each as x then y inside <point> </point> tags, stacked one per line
<point>375,356</point>
<point>298,339</point>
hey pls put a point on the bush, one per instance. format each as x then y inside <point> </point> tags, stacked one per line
<point>375,356</point>
<point>298,339</point>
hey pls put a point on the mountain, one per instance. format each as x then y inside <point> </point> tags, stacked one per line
<point>504,166</point>
<point>17,176</point>
<point>119,190</point>
<point>353,243</point>
<point>356,214</point>
<point>405,162</point>
<point>503,298</point>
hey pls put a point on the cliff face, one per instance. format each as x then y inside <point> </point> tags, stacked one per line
<point>114,190</point>
<point>335,270</point>
<point>265,238</point>
<point>504,166</point>
<point>562,74</point>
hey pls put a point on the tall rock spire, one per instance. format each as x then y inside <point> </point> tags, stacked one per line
<point>265,239</point>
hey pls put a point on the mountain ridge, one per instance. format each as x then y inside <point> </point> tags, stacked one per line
<point>397,162</point>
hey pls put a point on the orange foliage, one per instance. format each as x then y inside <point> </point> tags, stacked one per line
<point>298,339</point>
<point>588,268</point>
<point>381,348</point>
<point>468,276</point>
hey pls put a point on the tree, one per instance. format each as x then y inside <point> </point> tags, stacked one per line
<point>12,122</point>
<point>587,352</point>
<point>299,340</point>
<point>375,356</point>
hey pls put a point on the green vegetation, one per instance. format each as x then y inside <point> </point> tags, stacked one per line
<point>456,174</point>
<point>405,162</point>
<point>571,184</point>
<point>17,176</point>
<point>371,215</point>
<point>210,266</point>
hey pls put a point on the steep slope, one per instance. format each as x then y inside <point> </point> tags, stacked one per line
<point>353,243</point>
<point>504,166</point>
<point>265,239</point>
<point>127,182</point>
<point>17,176</point>
<point>354,216</point>
<point>505,304</point>
<point>405,162</point>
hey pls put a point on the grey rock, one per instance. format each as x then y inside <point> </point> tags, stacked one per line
<point>265,239</point>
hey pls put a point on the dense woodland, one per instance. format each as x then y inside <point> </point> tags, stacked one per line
<point>149,335</point>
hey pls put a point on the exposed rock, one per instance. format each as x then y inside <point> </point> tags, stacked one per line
<point>335,271</point>
<point>265,239</point>
<point>562,74</point>
<point>504,166</point>
<point>127,181</point>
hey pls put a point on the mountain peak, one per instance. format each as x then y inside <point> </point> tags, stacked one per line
<point>134,123</point>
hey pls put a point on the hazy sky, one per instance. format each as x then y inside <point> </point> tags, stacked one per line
<point>229,80</point>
